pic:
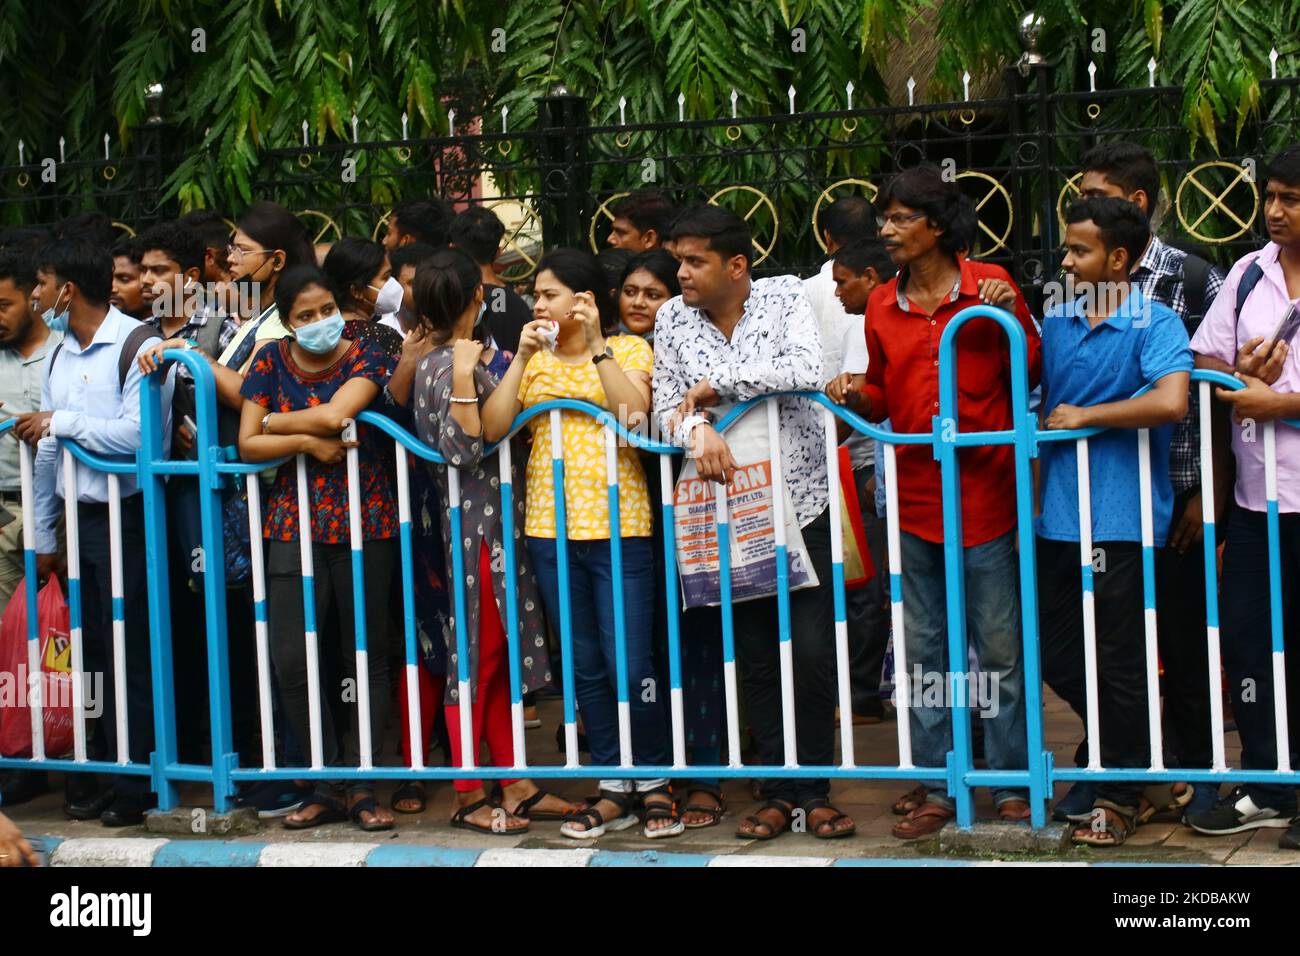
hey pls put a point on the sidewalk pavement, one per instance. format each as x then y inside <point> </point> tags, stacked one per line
<point>428,840</point>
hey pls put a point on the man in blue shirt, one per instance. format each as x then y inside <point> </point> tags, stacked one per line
<point>1100,346</point>
<point>85,399</point>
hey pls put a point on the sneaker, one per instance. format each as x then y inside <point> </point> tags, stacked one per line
<point>1076,806</point>
<point>1204,798</point>
<point>1235,813</point>
<point>274,799</point>
<point>1291,839</point>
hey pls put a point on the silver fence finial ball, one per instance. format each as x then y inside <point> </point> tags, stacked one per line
<point>153,100</point>
<point>1031,30</point>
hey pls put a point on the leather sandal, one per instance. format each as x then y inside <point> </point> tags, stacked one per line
<point>825,830</point>
<point>1014,811</point>
<point>715,813</point>
<point>926,819</point>
<point>755,821</point>
<point>593,824</point>
<point>1106,829</point>
<point>912,800</point>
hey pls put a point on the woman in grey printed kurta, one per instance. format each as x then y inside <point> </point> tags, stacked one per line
<point>480,503</point>
<point>448,295</point>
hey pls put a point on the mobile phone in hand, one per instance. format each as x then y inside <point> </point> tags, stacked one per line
<point>1286,329</point>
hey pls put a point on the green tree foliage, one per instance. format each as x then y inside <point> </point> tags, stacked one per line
<point>241,78</point>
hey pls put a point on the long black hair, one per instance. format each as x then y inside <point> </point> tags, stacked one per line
<point>274,227</point>
<point>660,264</point>
<point>443,287</point>
<point>291,285</point>
<point>352,261</point>
<point>579,271</point>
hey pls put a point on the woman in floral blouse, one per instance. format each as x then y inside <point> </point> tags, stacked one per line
<point>573,300</point>
<point>450,383</point>
<point>298,392</point>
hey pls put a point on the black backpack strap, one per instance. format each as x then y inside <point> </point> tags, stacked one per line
<point>1196,276</point>
<point>1249,279</point>
<point>130,348</point>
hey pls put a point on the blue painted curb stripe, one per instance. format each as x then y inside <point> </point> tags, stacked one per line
<point>421,856</point>
<point>208,853</point>
<point>648,858</point>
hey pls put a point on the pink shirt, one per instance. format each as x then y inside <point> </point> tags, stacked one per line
<point>1216,337</point>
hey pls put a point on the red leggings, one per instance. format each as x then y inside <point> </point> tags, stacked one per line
<point>490,712</point>
<point>431,690</point>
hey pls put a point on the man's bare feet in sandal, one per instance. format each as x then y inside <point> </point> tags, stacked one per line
<point>766,822</point>
<point>488,817</point>
<point>516,794</point>
<point>826,822</point>
<point>695,819</point>
<point>379,815</point>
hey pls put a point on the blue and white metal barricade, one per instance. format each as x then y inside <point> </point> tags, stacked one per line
<point>213,468</point>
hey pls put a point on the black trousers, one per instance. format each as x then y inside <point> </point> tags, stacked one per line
<point>97,633</point>
<point>812,635</point>
<point>1121,657</point>
<point>1248,644</point>
<point>332,581</point>
<point>1185,687</point>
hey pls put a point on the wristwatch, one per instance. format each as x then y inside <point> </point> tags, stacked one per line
<point>266,423</point>
<point>607,354</point>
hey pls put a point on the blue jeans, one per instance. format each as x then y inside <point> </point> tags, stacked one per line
<point>993,625</point>
<point>594,670</point>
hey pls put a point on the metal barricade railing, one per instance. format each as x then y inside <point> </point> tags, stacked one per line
<point>214,467</point>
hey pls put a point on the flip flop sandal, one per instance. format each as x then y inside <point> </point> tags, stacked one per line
<point>368,805</point>
<point>658,810</point>
<point>525,808</point>
<point>913,800</point>
<point>926,819</point>
<point>831,834</point>
<point>411,790</point>
<point>460,821</point>
<point>1160,798</point>
<point>594,825</point>
<point>334,813</point>
<point>1112,833</point>
<point>756,821</point>
<point>715,813</point>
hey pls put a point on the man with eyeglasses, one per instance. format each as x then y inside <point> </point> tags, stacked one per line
<point>927,225</point>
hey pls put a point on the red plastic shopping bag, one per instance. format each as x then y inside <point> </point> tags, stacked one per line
<point>55,679</point>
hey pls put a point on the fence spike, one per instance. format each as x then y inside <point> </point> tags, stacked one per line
<point>451,122</point>
<point>304,132</point>
<point>1272,61</point>
<point>734,97</point>
<point>681,107</point>
<point>504,110</point>
<point>61,141</point>
<point>403,124</point>
<point>622,111</point>
<point>1092,77</point>
<point>1151,72</point>
<point>354,127</point>
<point>911,89</point>
<point>106,146</point>
<point>21,147</point>
<point>848,94</point>
<point>965,85</point>
<point>790,93</point>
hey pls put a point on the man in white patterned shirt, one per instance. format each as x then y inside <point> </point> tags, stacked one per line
<point>1188,285</point>
<point>728,338</point>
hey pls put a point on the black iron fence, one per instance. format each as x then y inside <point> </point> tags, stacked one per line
<point>554,183</point>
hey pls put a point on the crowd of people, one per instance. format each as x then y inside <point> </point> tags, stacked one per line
<point>667,324</point>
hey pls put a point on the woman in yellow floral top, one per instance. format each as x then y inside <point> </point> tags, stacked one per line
<point>574,304</point>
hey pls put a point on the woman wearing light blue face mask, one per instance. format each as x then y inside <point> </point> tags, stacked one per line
<point>298,392</point>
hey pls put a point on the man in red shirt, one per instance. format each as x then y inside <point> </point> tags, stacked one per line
<point>927,224</point>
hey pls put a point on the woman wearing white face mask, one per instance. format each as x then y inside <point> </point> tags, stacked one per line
<point>298,392</point>
<point>365,289</point>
